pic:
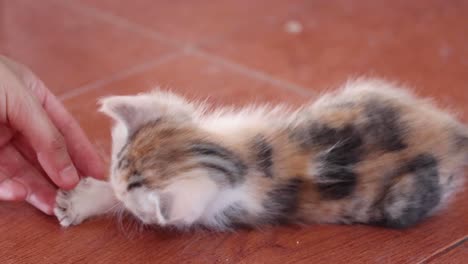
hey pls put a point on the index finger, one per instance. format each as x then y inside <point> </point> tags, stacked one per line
<point>83,153</point>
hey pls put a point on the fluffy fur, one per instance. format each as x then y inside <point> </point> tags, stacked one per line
<point>370,153</point>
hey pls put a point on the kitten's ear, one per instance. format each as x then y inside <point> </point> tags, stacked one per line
<point>122,109</point>
<point>135,111</point>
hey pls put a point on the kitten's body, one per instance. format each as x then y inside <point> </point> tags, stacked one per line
<point>369,153</point>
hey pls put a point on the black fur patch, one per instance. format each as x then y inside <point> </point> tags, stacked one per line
<point>323,135</point>
<point>264,155</point>
<point>234,216</point>
<point>282,202</point>
<point>419,201</point>
<point>384,126</point>
<point>220,160</point>
<point>344,148</point>
<point>423,162</point>
<point>336,183</point>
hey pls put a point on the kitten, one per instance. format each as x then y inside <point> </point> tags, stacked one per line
<point>370,153</point>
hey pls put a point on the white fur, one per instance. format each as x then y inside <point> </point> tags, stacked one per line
<point>229,121</point>
<point>91,197</point>
<point>145,204</point>
<point>213,217</point>
<point>191,196</point>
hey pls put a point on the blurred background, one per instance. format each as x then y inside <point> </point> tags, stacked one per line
<point>239,52</point>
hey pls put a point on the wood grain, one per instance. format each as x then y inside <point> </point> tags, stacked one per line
<point>454,254</point>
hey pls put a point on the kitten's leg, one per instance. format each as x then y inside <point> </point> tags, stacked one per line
<point>414,195</point>
<point>90,198</point>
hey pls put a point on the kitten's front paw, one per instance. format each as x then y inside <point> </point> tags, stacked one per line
<point>89,198</point>
<point>64,210</point>
<point>67,205</point>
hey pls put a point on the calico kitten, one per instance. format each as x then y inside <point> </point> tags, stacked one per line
<point>370,153</point>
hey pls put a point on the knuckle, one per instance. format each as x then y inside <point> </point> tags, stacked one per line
<point>36,87</point>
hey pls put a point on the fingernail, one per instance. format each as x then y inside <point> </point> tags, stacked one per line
<point>69,177</point>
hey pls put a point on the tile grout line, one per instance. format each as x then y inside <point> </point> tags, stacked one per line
<point>259,75</point>
<point>443,250</point>
<point>119,75</point>
<point>121,22</point>
<point>191,49</point>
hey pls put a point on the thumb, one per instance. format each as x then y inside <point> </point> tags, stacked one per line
<point>25,114</point>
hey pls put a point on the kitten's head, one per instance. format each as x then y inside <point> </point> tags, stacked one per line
<point>151,152</point>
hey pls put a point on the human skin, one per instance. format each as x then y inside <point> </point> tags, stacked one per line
<point>42,147</point>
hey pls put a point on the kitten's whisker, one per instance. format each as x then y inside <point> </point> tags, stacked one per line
<point>115,206</point>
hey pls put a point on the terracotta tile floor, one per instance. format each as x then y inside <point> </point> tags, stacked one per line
<point>235,52</point>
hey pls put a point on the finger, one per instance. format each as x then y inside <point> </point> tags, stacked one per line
<point>83,153</point>
<point>24,181</point>
<point>11,190</point>
<point>20,143</point>
<point>26,150</point>
<point>41,194</point>
<point>26,115</point>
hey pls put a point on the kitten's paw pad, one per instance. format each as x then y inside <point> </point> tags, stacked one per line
<point>64,210</point>
<point>68,205</point>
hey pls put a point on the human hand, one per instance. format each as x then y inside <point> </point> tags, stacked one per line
<point>41,145</point>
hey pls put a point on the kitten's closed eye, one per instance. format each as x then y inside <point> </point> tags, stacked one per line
<point>135,181</point>
<point>134,185</point>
